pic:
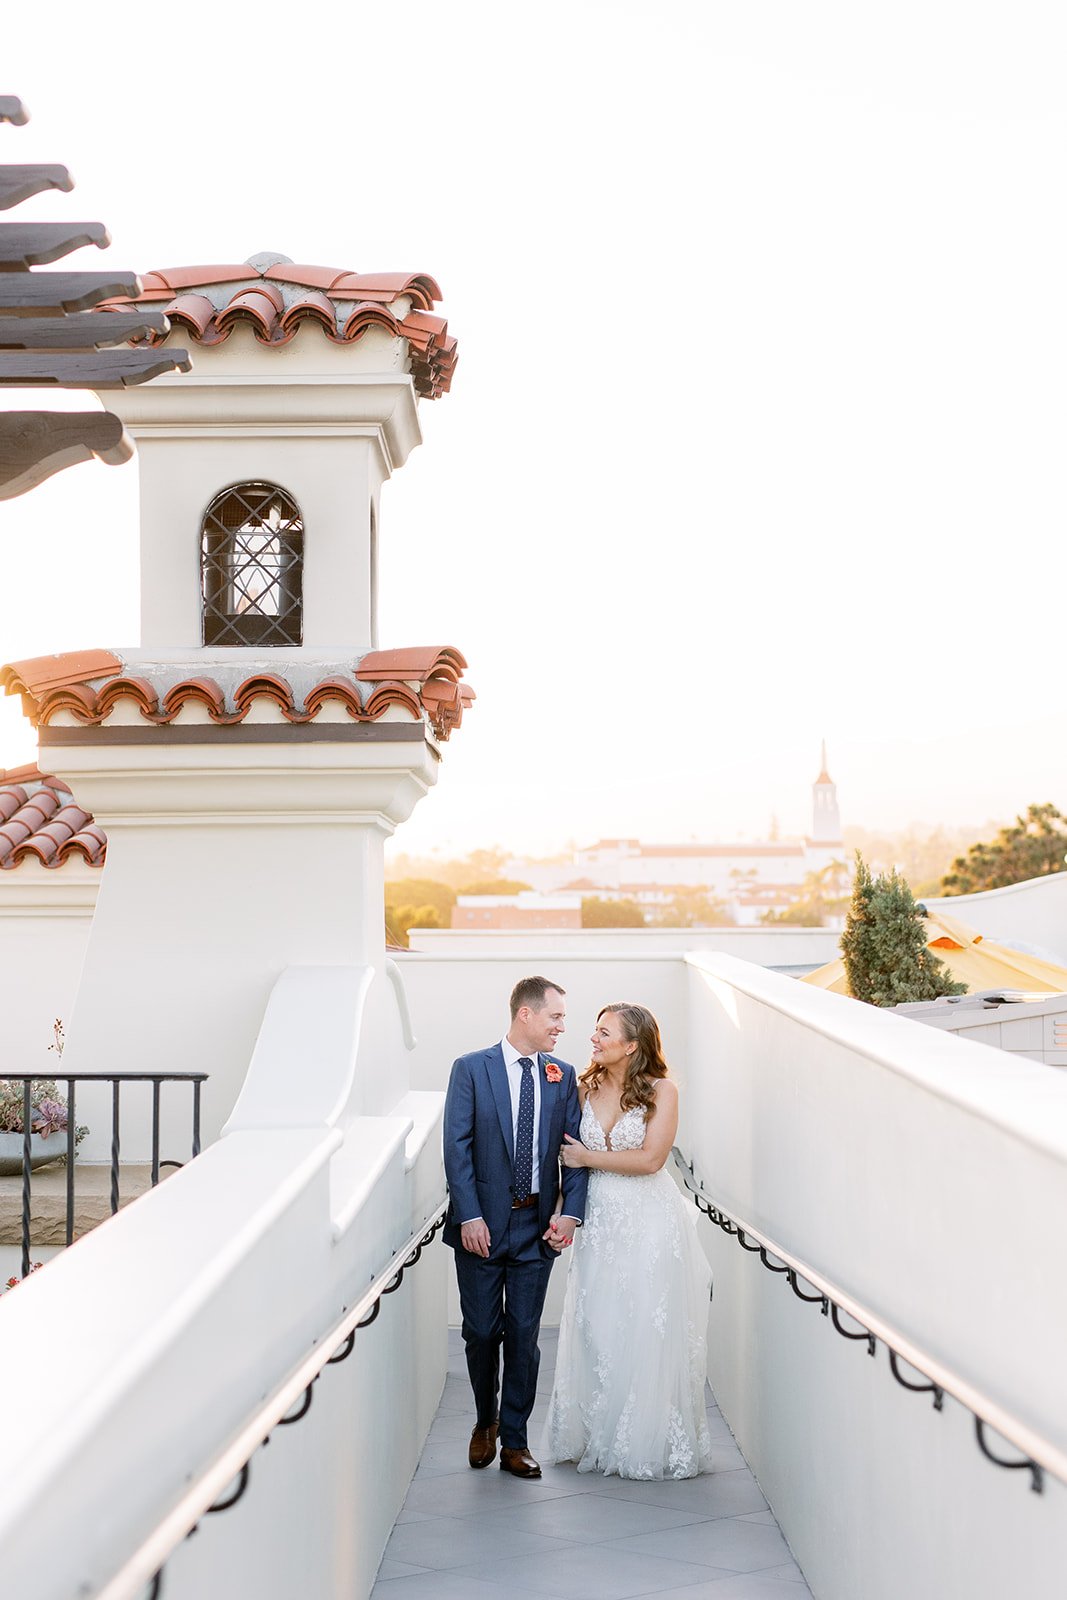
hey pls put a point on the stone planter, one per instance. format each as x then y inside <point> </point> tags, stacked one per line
<point>41,1151</point>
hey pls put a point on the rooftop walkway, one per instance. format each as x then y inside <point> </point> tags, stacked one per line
<point>485,1535</point>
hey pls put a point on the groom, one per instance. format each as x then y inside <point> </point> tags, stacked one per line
<point>506,1112</point>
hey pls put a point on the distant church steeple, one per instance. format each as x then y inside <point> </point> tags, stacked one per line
<point>826,818</point>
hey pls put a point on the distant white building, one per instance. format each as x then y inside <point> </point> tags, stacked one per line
<point>754,876</point>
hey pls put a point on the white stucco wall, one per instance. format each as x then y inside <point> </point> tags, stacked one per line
<point>45,916</point>
<point>928,1178</point>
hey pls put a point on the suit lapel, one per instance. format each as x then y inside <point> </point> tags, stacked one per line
<point>498,1082</point>
<point>549,1096</point>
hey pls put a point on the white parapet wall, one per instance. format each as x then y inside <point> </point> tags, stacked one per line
<point>926,1177</point>
<point>153,1341</point>
<point>769,947</point>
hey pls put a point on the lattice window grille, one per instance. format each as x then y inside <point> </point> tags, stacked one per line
<point>251,563</point>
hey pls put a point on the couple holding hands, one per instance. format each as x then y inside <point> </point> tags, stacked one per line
<point>537,1161</point>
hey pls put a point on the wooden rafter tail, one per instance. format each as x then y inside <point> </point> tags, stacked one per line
<point>111,369</point>
<point>13,110</point>
<point>36,444</point>
<point>51,293</point>
<point>19,183</point>
<point>82,330</point>
<point>35,244</point>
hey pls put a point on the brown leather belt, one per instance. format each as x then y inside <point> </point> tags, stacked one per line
<point>520,1205</point>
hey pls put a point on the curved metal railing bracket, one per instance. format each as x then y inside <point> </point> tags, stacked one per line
<point>938,1380</point>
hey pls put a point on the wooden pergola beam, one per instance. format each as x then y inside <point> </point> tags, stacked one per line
<point>35,244</point>
<point>41,293</point>
<point>12,110</point>
<point>36,444</point>
<point>19,183</point>
<point>83,330</point>
<point>113,369</point>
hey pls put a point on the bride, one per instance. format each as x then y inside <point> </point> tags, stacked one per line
<point>629,1390</point>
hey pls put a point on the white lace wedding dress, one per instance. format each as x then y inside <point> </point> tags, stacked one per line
<point>629,1390</point>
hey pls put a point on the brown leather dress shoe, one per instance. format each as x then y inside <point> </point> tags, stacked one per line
<point>482,1446</point>
<point>520,1462</point>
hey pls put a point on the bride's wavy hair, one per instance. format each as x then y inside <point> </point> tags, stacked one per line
<point>643,1067</point>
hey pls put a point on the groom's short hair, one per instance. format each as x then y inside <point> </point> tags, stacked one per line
<point>531,992</point>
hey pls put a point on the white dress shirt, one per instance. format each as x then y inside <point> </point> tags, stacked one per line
<point>512,1057</point>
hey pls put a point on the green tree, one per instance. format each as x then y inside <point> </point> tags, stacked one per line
<point>887,959</point>
<point>1032,846</point>
<point>408,901</point>
<point>856,939</point>
<point>694,908</point>
<point>598,913</point>
<point>398,919</point>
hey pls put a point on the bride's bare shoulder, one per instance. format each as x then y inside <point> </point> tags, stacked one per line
<point>665,1092</point>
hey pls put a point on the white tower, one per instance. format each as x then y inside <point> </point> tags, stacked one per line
<point>826,818</point>
<point>249,759</point>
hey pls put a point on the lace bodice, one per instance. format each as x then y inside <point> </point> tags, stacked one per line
<point>627,1134</point>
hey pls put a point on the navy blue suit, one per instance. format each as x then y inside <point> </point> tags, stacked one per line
<point>502,1296</point>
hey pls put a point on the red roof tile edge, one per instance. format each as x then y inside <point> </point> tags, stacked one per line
<point>258,301</point>
<point>422,681</point>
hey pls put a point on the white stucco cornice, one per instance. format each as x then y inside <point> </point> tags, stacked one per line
<point>33,890</point>
<point>228,785</point>
<point>210,405</point>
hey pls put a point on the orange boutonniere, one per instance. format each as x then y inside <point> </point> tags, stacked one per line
<point>553,1073</point>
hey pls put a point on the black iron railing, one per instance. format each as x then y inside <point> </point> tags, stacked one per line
<point>1037,1456</point>
<point>290,1402</point>
<point>116,1081</point>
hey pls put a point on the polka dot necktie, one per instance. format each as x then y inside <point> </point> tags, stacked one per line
<point>524,1132</point>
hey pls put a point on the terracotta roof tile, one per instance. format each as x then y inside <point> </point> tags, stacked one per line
<point>87,688</point>
<point>368,314</point>
<point>341,690</point>
<point>265,686</point>
<point>201,691</point>
<point>418,662</point>
<point>191,311</point>
<point>39,820</point>
<point>262,307</point>
<point>139,690</point>
<point>172,278</point>
<point>392,694</point>
<point>311,307</point>
<point>277,297</point>
<point>40,673</point>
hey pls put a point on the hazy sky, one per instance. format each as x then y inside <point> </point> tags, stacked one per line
<point>757,431</point>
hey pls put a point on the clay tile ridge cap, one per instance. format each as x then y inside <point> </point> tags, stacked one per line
<point>417,663</point>
<point>40,674</point>
<point>178,278</point>
<point>31,773</point>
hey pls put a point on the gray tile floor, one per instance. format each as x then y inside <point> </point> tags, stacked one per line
<point>485,1535</point>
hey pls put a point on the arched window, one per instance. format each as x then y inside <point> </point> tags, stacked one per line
<point>251,567</point>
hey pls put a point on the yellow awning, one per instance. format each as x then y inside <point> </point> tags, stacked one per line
<point>970,959</point>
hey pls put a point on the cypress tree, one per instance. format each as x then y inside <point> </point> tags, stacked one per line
<point>887,959</point>
<point>856,939</point>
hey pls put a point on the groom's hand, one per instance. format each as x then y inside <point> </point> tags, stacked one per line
<point>474,1236</point>
<point>560,1233</point>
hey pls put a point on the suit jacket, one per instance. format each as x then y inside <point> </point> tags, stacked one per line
<point>480,1145</point>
